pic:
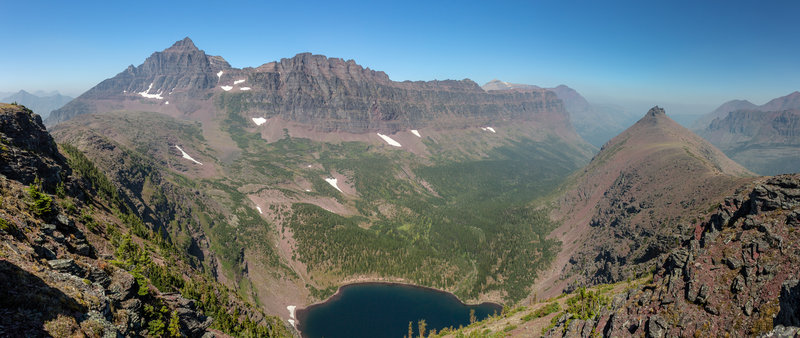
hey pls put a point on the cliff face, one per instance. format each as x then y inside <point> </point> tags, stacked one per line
<point>181,72</point>
<point>595,124</point>
<point>332,94</point>
<point>768,142</point>
<point>327,94</point>
<point>765,138</point>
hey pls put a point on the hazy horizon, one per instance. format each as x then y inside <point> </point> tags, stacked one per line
<point>686,56</point>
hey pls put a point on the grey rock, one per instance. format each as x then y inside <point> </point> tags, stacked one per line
<point>703,294</point>
<point>63,265</point>
<point>122,286</point>
<point>678,258</point>
<point>656,327</point>
<point>738,284</point>
<point>780,331</point>
<point>64,220</point>
<point>84,249</point>
<point>748,307</point>
<point>48,228</point>
<point>99,325</point>
<point>33,152</point>
<point>733,263</point>
<point>712,309</point>
<point>789,313</point>
<point>44,252</point>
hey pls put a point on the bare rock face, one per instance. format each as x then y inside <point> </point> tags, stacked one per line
<point>326,94</point>
<point>767,142</point>
<point>765,138</point>
<point>27,151</point>
<point>182,71</point>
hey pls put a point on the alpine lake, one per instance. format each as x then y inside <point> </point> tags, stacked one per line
<point>385,310</point>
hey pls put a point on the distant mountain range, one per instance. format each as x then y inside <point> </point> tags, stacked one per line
<point>40,102</point>
<point>594,123</point>
<point>765,139</point>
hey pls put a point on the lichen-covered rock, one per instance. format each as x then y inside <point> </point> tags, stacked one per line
<point>30,151</point>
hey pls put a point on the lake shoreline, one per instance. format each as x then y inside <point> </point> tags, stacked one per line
<point>301,314</point>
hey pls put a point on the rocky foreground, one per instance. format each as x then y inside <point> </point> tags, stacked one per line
<point>737,276</point>
<point>75,262</point>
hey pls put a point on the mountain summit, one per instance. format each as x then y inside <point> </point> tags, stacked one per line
<point>635,200</point>
<point>180,73</point>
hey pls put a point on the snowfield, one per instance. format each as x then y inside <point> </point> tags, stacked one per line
<point>389,140</point>
<point>186,156</point>
<point>259,120</point>
<point>416,133</point>
<point>147,94</point>
<point>332,182</point>
<point>238,81</point>
<point>226,88</point>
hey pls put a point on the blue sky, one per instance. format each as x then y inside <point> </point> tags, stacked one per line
<point>692,55</point>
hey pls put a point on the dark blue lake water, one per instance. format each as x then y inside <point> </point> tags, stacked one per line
<point>384,310</point>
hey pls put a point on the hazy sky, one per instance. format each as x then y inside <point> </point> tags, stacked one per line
<point>691,54</point>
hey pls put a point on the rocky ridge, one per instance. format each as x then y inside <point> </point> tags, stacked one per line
<point>736,275</point>
<point>635,201</point>
<point>323,94</point>
<point>76,263</point>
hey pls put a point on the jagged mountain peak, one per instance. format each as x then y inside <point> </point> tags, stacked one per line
<point>183,45</point>
<point>656,112</point>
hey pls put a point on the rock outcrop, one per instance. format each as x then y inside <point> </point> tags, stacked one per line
<point>27,151</point>
<point>736,275</point>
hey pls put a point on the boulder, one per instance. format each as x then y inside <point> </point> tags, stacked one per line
<point>789,314</point>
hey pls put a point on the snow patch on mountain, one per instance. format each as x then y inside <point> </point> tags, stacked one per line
<point>332,181</point>
<point>389,140</point>
<point>186,156</point>
<point>147,94</point>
